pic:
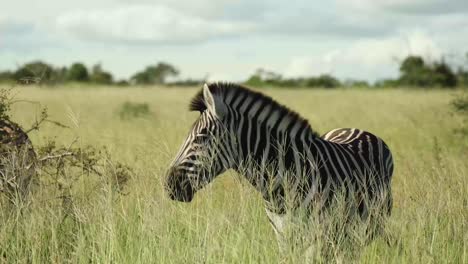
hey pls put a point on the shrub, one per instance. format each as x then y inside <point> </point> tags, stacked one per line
<point>34,72</point>
<point>57,170</point>
<point>416,72</point>
<point>130,110</point>
<point>99,76</point>
<point>155,74</point>
<point>460,105</point>
<point>78,73</point>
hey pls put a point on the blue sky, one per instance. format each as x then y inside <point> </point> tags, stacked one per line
<point>230,39</point>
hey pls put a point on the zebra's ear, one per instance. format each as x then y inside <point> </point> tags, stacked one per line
<point>213,104</point>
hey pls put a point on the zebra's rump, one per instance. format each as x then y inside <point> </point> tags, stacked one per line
<point>361,157</point>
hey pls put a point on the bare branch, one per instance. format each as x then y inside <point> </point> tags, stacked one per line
<point>58,156</point>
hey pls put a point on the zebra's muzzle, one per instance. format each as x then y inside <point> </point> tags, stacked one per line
<point>178,186</point>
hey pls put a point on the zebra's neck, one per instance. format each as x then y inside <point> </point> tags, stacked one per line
<point>266,138</point>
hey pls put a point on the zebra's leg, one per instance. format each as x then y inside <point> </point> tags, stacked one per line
<point>278,223</point>
<point>375,211</point>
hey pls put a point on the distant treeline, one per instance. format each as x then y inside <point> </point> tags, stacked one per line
<point>414,72</point>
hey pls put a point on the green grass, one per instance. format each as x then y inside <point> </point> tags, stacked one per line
<point>226,221</point>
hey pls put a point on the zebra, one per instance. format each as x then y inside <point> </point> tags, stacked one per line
<point>277,151</point>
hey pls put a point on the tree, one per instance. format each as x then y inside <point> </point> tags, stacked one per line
<point>324,80</point>
<point>78,73</point>
<point>415,72</point>
<point>98,75</point>
<point>155,74</point>
<point>263,77</point>
<point>462,77</point>
<point>59,75</point>
<point>356,83</point>
<point>443,75</point>
<point>33,72</point>
<point>412,64</point>
<point>6,76</point>
<point>254,80</point>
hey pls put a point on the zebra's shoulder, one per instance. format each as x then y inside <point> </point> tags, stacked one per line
<point>343,135</point>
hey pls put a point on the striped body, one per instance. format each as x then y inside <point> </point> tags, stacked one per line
<point>344,158</point>
<point>279,154</point>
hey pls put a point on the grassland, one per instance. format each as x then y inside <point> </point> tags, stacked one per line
<point>226,222</point>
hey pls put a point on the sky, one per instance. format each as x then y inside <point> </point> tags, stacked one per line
<point>227,40</point>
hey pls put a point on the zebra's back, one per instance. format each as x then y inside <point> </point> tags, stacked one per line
<point>368,150</point>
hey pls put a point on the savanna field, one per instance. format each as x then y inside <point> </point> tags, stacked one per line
<point>226,222</point>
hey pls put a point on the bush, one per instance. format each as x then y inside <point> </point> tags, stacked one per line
<point>57,170</point>
<point>6,76</point>
<point>460,105</point>
<point>156,74</point>
<point>264,77</point>
<point>100,76</point>
<point>416,72</point>
<point>130,110</point>
<point>78,73</point>
<point>34,72</point>
<point>325,81</point>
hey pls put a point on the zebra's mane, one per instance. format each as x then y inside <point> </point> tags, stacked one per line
<point>222,89</point>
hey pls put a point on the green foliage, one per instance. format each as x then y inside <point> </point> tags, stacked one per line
<point>34,72</point>
<point>122,83</point>
<point>59,75</point>
<point>356,83</point>
<point>460,105</point>
<point>90,160</point>
<point>6,76</point>
<point>130,110</point>
<point>187,83</point>
<point>387,83</point>
<point>255,81</point>
<point>416,72</point>
<point>443,75</point>
<point>462,77</point>
<point>99,76</point>
<point>155,74</point>
<point>262,78</point>
<point>78,73</point>
<point>51,169</point>
<point>325,81</point>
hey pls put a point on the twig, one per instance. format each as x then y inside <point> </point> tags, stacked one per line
<point>25,101</point>
<point>58,156</point>
<point>56,123</point>
<point>38,123</point>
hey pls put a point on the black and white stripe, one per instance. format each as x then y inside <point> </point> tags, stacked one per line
<point>279,154</point>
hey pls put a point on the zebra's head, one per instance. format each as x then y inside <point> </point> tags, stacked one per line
<point>198,161</point>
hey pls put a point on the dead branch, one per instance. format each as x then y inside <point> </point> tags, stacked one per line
<point>58,156</point>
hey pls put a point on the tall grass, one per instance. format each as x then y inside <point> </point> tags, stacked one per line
<point>226,221</point>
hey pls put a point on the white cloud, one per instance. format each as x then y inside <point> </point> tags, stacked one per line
<point>301,66</point>
<point>369,58</point>
<point>408,6</point>
<point>147,24</point>
<point>199,8</point>
<point>381,4</point>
